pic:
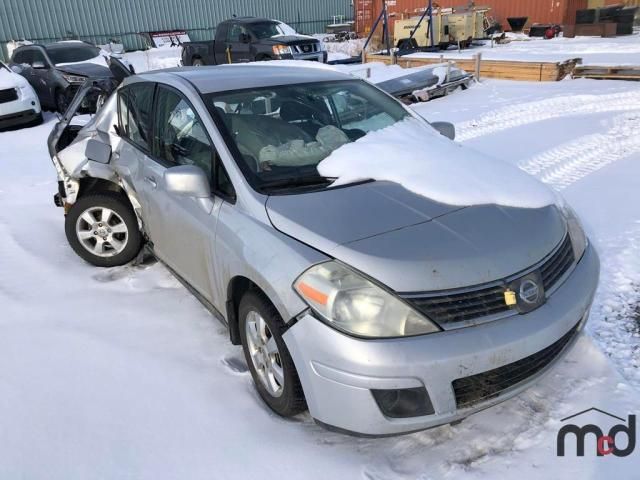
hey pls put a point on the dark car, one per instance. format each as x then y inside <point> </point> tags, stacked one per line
<point>250,39</point>
<point>56,71</point>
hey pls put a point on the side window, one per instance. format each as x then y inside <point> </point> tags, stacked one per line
<point>234,33</point>
<point>135,104</point>
<point>180,137</point>
<point>37,56</point>
<point>18,57</point>
<point>25,57</point>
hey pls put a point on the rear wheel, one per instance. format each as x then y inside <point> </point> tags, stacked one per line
<point>267,356</point>
<point>197,62</point>
<point>103,230</point>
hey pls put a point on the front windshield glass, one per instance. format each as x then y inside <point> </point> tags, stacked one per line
<point>267,30</point>
<point>71,53</point>
<point>284,132</point>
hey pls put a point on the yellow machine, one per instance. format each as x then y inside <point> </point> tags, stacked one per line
<point>468,25</point>
<point>449,27</point>
<point>404,27</point>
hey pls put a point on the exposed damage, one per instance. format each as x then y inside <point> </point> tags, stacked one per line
<point>81,153</point>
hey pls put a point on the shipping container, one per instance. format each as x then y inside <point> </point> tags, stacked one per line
<point>538,11</point>
<point>98,21</point>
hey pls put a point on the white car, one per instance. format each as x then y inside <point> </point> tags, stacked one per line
<point>19,104</point>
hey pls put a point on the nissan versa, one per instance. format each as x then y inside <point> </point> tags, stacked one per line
<point>379,310</point>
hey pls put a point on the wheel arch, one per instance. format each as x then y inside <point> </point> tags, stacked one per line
<point>238,286</point>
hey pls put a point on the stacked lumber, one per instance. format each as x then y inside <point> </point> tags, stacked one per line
<point>605,72</point>
<point>508,70</point>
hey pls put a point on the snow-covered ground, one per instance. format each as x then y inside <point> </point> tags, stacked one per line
<point>623,50</point>
<point>120,373</point>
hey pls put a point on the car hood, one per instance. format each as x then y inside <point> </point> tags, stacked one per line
<point>413,244</point>
<point>86,69</point>
<point>10,79</point>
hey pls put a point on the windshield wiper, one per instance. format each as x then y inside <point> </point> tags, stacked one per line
<point>297,182</point>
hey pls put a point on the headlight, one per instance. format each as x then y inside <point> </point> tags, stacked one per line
<point>73,78</point>
<point>281,49</point>
<point>350,302</point>
<point>576,232</point>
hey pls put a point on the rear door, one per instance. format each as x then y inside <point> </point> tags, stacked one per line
<point>135,107</point>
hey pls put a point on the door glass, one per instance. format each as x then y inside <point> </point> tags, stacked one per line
<point>37,56</point>
<point>25,57</point>
<point>234,33</point>
<point>135,104</point>
<point>180,136</point>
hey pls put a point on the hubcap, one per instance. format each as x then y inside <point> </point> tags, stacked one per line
<point>102,232</point>
<point>264,354</point>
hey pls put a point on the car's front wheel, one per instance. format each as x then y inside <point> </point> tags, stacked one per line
<point>268,358</point>
<point>103,230</point>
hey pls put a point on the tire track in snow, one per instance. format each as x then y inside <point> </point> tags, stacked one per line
<point>539,110</point>
<point>615,317</point>
<point>568,163</point>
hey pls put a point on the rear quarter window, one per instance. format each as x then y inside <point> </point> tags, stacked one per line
<point>135,105</point>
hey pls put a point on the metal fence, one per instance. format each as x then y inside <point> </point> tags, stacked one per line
<point>99,21</point>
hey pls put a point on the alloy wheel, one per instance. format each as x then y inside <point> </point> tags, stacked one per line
<point>102,232</point>
<point>264,353</point>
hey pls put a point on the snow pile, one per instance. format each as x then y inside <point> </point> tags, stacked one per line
<point>348,48</point>
<point>623,50</point>
<point>154,58</point>
<point>426,163</point>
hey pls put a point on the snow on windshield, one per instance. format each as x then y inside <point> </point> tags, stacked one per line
<point>421,160</point>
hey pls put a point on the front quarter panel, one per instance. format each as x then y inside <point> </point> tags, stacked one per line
<point>248,247</point>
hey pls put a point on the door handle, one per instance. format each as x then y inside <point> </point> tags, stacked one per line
<point>151,181</point>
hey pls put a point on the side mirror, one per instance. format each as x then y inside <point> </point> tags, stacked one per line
<point>98,151</point>
<point>245,38</point>
<point>187,180</point>
<point>16,69</point>
<point>39,65</point>
<point>445,128</point>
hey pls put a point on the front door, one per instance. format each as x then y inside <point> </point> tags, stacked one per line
<point>239,44</point>
<point>182,228</point>
<point>41,76</point>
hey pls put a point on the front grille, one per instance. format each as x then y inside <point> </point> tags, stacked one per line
<point>483,386</point>
<point>8,95</point>
<point>459,307</point>
<point>306,48</point>
<point>558,264</point>
<point>485,301</point>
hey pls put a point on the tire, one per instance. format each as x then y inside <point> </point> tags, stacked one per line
<point>118,240</point>
<point>197,62</point>
<point>286,398</point>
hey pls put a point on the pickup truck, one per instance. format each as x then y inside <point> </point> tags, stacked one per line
<point>250,39</point>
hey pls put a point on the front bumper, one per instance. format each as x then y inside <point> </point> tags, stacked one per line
<point>25,109</point>
<point>338,372</point>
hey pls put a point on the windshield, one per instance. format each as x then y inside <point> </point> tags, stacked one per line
<point>268,30</point>
<point>283,133</point>
<point>71,53</point>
